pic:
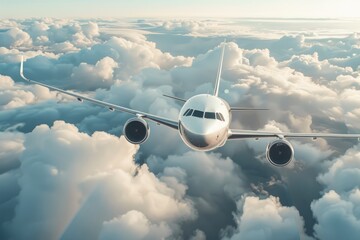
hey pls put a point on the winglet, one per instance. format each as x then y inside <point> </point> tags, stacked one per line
<point>22,69</point>
<point>218,77</point>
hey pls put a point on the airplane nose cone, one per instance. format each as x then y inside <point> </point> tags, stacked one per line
<point>200,137</point>
<point>203,129</point>
<point>197,139</point>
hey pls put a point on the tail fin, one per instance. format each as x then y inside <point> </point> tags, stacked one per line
<point>218,77</point>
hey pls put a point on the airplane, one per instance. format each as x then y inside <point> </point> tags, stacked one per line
<point>203,122</point>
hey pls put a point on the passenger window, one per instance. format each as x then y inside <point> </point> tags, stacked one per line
<point>186,112</point>
<point>198,114</point>
<point>210,115</point>
<point>189,112</point>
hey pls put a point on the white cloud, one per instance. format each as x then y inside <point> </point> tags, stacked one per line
<point>92,175</point>
<point>14,95</point>
<point>267,219</point>
<point>11,146</point>
<point>198,235</point>
<point>135,56</point>
<point>344,173</point>
<point>192,174</point>
<point>134,225</point>
<point>318,70</point>
<point>15,37</point>
<point>91,29</point>
<point>134,65</point>
<point>95,76</point>
<point>338,216</point>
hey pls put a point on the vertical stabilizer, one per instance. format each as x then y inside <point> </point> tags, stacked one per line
<point>218,77</point>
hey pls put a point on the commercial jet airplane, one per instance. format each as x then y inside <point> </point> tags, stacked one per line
<point>203,123</point>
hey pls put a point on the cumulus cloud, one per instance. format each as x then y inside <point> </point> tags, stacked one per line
<point>14,95</point>
<point>134,225</point>
<point>268,219</point>
<point>96,76</point>
<point>337,215</point>
<point>132,64</point>
<point>195,170</point>
<point>91,29</point>
<point>15,37</point>
<point>319,70</point>
<point>75,174</point>
<point>11,148</point>
<point>344,173</point>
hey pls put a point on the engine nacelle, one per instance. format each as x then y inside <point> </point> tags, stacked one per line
<point>136,130</point>
<point>279,153</point>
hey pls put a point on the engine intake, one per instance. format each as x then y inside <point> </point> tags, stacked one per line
<point>279,153</point>
<point>136,130</point>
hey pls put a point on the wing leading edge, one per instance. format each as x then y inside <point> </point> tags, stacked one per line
<point>242,134</point>
<point>112,107</point>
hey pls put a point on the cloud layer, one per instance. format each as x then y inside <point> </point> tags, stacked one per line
<point>66,171</point>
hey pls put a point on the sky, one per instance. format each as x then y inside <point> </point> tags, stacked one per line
<point>177,8</point>
<point>67,171</point>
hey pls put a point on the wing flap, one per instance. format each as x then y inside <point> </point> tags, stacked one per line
<point>242,134</point>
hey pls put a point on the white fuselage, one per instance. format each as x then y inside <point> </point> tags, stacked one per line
<point>204,122</point>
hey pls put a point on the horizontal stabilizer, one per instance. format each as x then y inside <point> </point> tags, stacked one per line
<point>176,98</point>
<point>248,109</point>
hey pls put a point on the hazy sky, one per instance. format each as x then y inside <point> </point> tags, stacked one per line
<point>179,8</point>
<point>67,172</point>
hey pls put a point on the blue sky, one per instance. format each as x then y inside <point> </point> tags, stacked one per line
<point>179,8</point>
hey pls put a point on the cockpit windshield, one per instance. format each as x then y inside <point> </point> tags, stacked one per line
<point>201,114</point>
<point>190,112</point>
<point>210,115</point>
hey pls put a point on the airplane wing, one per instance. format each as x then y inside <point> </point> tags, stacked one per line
<point>112,107</point>
<point>243,134</point>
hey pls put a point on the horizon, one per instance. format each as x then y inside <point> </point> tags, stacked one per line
<point>68,172</point>
<point>181,9</point>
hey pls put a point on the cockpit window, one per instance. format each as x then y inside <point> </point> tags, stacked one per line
<point>198,114</point>
<point>201,114</point>
<point>220,117</point>
<point>210,115</point>
<point>186,112</point>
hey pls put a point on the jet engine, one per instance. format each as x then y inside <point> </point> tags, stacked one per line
<point>136,130</point>
<point>279,152</point>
